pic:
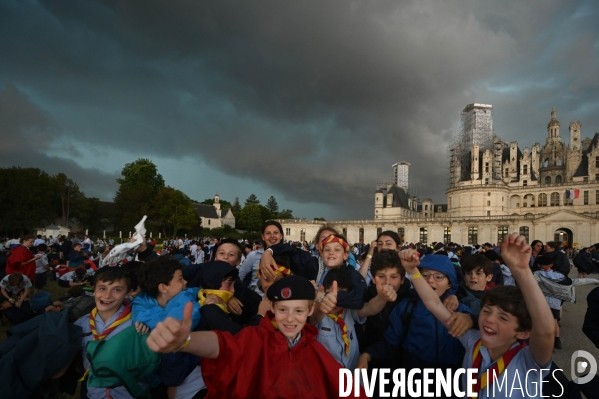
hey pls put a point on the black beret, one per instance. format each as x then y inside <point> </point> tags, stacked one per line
<point>544,260</point>
<point>291,288</point>
<point>439,246</point>
<point>214,272</point>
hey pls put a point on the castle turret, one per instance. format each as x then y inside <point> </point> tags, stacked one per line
<point>553,128</point>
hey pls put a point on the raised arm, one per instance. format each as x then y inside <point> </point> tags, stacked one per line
<point>516,255</point>
<point>174,335</point>
<point>410,261</point>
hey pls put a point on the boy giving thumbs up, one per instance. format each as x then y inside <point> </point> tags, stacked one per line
<point>278,358</point>
<point>336,326</point>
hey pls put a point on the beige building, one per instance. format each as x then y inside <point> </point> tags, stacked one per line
<point>494,188</point>
<point>213,216</point>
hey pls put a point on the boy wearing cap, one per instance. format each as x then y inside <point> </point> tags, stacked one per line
<point>286,359</point>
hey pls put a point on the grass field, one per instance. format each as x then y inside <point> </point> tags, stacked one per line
<point>56,292</point>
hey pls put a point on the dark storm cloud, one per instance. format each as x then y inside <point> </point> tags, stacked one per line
<point>28,133</point>
<point>317,99</point>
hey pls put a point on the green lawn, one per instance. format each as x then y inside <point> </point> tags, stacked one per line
<point>56,292</point>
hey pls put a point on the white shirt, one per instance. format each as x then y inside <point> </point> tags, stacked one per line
<point>15,290</point>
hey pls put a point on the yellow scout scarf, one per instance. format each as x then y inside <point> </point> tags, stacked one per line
<point>224,295</point>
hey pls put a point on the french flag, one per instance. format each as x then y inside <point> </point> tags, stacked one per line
<point>572,194</point>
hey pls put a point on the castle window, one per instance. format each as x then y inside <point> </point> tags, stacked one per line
<point>524,231</point>
<point>287,231</point>
<point>379,230</point>
<point>507,172</point>
<point>423,235</point>
<point>586,178</point>
<point>488,203</point>
<point>488,213</point>
<point>447,235</point>
<point>439,209</point>
<point>361,235</point>
<point>554,199</point>
<point>597,162</point>
<point>472,235</point>
<point>586,197</point>
<point>596,176</point>
<point>525,169</point>
<point>303,235</point>
<point>426,207</point>
<point>344,232</point>
<point>488,194</point>
<point>501,233</point>
<point>486,167</point>
<point>542,199</point>
<point>401,232</point>
<point>525,183</point>
<point>487,181</point>
<point>597,197</point>
<point>548,180</point>
<point>558,179</point>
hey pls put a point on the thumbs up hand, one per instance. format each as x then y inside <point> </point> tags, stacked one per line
<point>329,301</point>
<point>171,334</point>
<point>386,292</point>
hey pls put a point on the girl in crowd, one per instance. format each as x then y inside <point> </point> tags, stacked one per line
<point>22,260</point>
<point>272,234</point>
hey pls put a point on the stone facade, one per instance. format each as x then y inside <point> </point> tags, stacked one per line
<point>492,192</point>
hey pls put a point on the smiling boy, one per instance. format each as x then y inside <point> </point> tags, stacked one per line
<point>509,316</point>
<point>285,358</point>
<point>109,317</point>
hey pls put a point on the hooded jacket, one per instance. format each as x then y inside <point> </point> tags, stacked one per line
<point>427,342</point>
<point>307,370</point>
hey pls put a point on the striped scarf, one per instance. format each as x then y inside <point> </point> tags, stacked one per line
<point>339,320</point>
<point>495,371</point>
<point>126,315</point>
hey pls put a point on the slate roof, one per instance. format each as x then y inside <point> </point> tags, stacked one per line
<point>583,168</point>
<point>400,197</point>
<point>205,211</point>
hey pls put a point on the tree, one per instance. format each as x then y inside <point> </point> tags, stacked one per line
<point>26,199</point>
<point>72,199</point>
<point>272,205</point>
<point>174,209</point>
<point>252,200</point>
<point>223,204</point>
<point>285,214</point>
<point>321,219</point>
<point>136,193</point>
<point>236,208</point>
<point>250,217</point>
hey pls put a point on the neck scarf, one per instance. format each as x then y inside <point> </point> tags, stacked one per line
<point>495,371</point>
<point>338,319</point>
<point>224,295</point>
<point>126,315</point>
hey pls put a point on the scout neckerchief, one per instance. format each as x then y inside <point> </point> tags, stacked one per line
<point>495,371</point>
<point>277,270</point>
<point>337,318</point>
<point>123,317</point>
<point>224,295</point>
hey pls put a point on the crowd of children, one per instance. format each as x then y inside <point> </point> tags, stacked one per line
<point>271,320</point>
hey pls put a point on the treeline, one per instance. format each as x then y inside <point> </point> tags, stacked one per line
<point>32,198</point>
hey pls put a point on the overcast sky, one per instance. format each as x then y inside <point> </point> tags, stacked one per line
<point>308,101</point>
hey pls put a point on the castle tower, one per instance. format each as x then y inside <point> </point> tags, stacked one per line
<point>553,128</point>
<point>575,135</point>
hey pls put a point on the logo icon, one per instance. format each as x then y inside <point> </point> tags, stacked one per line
<point>286,293</point>
<point>579,366</point>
